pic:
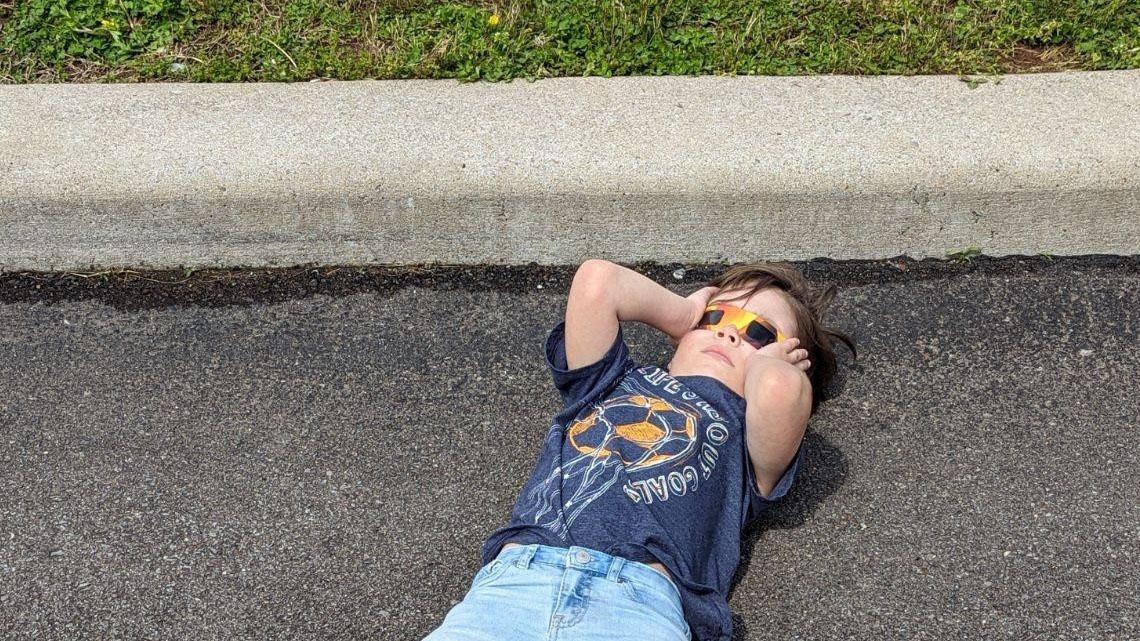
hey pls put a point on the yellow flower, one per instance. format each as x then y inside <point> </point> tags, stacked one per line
<point>108,24</point>
<point>493,20</point>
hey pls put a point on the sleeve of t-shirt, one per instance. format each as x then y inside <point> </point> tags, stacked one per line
<point>757,503</point>
<point>589,382</point>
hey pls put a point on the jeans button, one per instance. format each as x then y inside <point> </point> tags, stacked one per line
<point>582,556</point>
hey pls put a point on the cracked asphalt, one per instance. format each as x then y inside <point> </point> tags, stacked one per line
<point>317,453</point>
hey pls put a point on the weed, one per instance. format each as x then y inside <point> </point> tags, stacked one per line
<point>974,81</point>
<point>965,255</point>
<point>54,32</point>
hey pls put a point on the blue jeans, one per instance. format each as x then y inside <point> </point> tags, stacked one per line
<point>539,592</point>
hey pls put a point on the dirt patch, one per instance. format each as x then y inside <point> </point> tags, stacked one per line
<point>1026,59</point>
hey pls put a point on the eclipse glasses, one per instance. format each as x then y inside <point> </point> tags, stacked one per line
<point>753,328</point>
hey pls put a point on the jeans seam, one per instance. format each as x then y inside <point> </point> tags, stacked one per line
<point>486,575</point>
<point>551,626</point>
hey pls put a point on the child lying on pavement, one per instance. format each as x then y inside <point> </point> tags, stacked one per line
<point>629,524</point>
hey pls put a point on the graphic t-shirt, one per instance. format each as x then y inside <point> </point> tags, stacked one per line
<point>647,466</point>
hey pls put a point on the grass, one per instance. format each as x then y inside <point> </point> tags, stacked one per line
<point>277,40</point>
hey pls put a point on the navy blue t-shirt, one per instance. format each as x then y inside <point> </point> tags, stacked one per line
<point>647,466</point>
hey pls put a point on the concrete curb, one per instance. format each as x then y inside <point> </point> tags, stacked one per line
<point>645,168</point>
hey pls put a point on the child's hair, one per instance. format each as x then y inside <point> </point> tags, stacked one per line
<point>808,306</point>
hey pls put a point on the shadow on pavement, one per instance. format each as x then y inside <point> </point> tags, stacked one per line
<point>824,471</point>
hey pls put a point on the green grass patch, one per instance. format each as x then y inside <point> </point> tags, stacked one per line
<point>276,40</point>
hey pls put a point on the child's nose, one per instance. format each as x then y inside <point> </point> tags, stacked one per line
<point>730,331</point>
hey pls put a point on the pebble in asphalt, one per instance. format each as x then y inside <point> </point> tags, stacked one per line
<point>318,453</point>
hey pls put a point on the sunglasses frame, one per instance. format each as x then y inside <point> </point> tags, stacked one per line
<point>745,318</point>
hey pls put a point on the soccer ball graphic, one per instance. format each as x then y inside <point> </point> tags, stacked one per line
<point>640,431</point>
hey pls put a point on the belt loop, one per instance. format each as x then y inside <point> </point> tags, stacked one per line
<point>615,569</point>
<point>527,553</point>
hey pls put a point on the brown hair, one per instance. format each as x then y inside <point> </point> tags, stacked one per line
<point>808,306</point>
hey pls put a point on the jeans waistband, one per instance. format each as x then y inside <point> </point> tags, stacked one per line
<point>613,568</point>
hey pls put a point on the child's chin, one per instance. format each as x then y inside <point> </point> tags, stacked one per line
<point>713,370</point>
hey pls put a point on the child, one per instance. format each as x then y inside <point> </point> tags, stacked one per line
<point>629,525</point>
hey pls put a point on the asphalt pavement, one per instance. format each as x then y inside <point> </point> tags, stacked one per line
<point>319,453</point>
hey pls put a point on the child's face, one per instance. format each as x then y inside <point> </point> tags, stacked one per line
<point>697,350</point>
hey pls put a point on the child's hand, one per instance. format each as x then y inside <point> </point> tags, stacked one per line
<point>787,350</point>
<point>698,301</point>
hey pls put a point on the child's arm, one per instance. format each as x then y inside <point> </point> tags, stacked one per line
<point>604,293</point>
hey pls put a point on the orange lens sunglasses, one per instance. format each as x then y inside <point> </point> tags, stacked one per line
<point>755,329</point>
